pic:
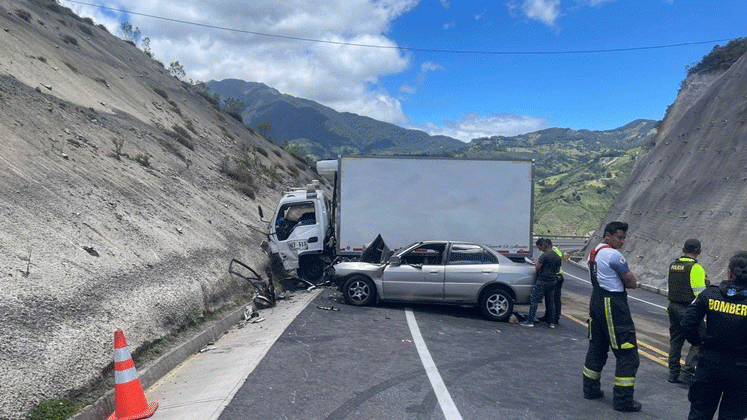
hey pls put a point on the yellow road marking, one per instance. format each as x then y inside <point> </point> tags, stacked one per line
<point>656,350</point>
<point>658,359</point>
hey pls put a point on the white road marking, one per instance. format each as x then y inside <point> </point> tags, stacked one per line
<point>439,388</point>
<point>629,297</point>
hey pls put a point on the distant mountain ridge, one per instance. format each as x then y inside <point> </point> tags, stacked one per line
<point>558,150</point>
<point>324,132</point>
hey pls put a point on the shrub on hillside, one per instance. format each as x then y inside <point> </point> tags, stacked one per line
<point>85,29</point>
<point>236,116</point>
<point>67,39</point>
<point>143,159</point>
<point>23,14</point>
<point>720,57</point>
<point>184,141</point>
<point>161,92</point>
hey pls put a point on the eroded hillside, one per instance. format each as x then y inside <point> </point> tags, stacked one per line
<point>124,195</point>
<point>692,182</point>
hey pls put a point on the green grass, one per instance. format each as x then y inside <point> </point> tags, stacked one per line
<point>576,202</point>
<point>54,409</point>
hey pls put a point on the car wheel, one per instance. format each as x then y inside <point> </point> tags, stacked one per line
<point>496,304</point>
<point>359,291</point>
<point>312,270</point>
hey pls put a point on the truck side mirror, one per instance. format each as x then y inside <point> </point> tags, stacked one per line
<point>261,214</point>
<point>394,260</point>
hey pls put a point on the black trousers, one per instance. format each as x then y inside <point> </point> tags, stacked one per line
<point>611,327</point>
<point>719,377</point>
<point>556,298</point>
<point>676,312</point>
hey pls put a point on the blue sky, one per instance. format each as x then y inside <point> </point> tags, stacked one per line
<point>465,69</point>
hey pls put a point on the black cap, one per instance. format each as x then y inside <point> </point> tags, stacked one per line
<point>692,245</point>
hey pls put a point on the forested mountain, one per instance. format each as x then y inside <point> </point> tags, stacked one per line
<point>323,132</point>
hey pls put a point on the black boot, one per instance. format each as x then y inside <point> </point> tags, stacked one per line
<point>674,377</point>
<point>592,389</point>
<point>622,399</point>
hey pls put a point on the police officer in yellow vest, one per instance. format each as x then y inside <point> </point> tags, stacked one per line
<point>686,280</point>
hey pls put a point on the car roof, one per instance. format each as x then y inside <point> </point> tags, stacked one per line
<point>502,258</point>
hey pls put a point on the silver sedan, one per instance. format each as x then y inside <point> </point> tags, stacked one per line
<point>461,273</point>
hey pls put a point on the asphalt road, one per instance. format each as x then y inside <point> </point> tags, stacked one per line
<point>446,362</point>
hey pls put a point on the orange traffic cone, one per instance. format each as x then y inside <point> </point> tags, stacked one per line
<point>129,399</point>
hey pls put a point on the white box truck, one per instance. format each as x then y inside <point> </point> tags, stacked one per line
<point>403,199</point>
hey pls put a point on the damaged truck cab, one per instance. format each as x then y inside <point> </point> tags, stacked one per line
<point>300,231</point>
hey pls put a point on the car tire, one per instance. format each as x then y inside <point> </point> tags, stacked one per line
<point>359,291</point>
<point>496,304</point>
<point>311,269</point>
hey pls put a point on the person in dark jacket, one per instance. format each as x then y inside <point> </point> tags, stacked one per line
<point>686,280</point>
<point>547,266</point>
<point>721,373</point>
<point>555,319</point>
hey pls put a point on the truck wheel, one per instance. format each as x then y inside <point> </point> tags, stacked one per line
<point>496,304</point>
<point>359,291</point>
<point>312,270</point>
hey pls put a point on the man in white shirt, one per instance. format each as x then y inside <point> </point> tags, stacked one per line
<point>610,322</point>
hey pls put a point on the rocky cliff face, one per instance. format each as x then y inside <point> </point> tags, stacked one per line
<point>116,208</point>
<point>692,182</point>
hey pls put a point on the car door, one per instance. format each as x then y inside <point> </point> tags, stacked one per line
<point>418,278</point>
<point>468,268</point>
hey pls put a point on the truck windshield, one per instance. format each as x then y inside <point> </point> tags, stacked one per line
<point>292,215</point>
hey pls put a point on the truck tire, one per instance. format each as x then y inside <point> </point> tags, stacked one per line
<point>311,269</point>
<point>496,304</point>
<point>359,290</point>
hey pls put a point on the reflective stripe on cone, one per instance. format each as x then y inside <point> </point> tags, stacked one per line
<point>129,399</point>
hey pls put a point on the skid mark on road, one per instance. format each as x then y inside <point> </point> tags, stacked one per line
<point>439,388</point>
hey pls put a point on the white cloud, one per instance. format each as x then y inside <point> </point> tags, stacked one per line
<point>545,11</point>
<point>271,42</point>
<point>473,125</point>
<point>344,77</point>
<point>409,89</point>
<point>594,3</point>
<point>449,25</point>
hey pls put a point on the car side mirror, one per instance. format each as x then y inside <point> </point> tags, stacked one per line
<point>261,213</point>
<point>394,260</point>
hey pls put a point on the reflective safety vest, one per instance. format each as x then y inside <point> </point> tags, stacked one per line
<point>686,280</point>
<point>560,254</point>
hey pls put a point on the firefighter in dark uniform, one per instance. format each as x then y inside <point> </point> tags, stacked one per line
<point>610,322</point>
<point>686,280</point>
<point>722,365</point>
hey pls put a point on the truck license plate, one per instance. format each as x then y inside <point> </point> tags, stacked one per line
<point>298,245</point>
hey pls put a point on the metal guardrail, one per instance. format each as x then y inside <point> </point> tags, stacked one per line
<point>565,242</point>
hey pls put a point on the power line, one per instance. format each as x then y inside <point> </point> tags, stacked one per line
<point>413,49</point>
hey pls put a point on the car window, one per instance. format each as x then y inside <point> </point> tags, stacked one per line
<point>462,254</point>
<point>488,258</point>
<point>426,254</point>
